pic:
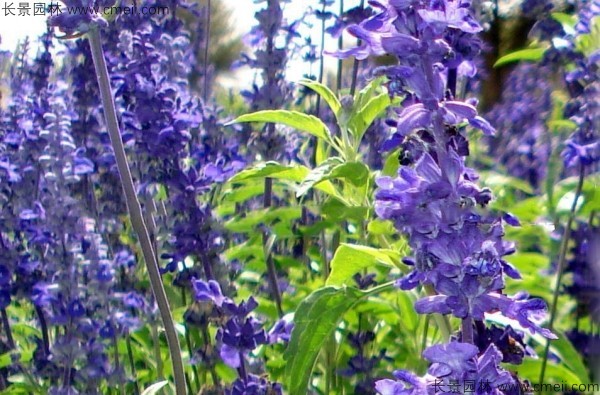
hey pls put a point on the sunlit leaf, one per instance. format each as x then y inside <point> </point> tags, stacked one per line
<point>297,120</point>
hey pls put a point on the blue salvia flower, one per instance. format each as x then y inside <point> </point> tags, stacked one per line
<point>584,268</point>
<point>361,365</point>
<point>523,143</point>
<point>458,248</point>
<point>273,37</point>
<point>585,273</point>
<point>583,83</point>
<point>455,367</point>
<point>75,290</point>
<point>239,334</point>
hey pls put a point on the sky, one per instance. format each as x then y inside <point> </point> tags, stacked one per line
<point>14,28</point>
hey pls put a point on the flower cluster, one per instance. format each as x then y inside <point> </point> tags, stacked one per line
<point>578,49</point>
<point>55,256</point>
<point>238,335</point>
<point>273,37</point>
<point>585,271</point>
<point>523,144</point>
<point>435,200</point>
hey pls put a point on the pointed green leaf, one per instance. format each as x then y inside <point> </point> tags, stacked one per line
<point>350,259</point>
<point>362,97</point>
<point>500,181</point>
<point>273,170</point>
<point>314,322</point>
<point>295,173</point>
<point>530,369</point>
<point>356,172</point>
<point>529,54</point>
<point>569,356</point>
<point>297,120</point>
<point>318,174</point>
<point>154,388</point>
<point>324,92</point>
<point>364,117</point>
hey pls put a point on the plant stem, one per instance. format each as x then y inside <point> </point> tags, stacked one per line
<point>188,342</point>
<point>356,63</point>
<point>135,210</point>
<point>132,364</point>
<point>6,324</point>
<point>467,330</point>
<point>561,266</point>
<point>425,330</point>
<point>157,354</point>
<point>338,84</point>
<point>452,76</point>
<point>43,329</point>
<point>271,270</point>
<point>330,381</point>
<point>206,47</point>
<point>213,372</point>
<point>321,60</point>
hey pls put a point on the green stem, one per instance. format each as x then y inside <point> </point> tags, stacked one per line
<point>561,266</point>
<point>6,324</point>
<point>356,62</point>
<point>206,47</point>
<point>467,330</point>
<point>188,342</point>
<point>425,330</point>
<point>340,61</point>
<point>321,60</point>
<point>136,386</point>
<point>157,355</point>
<point>135,210</point>
<point>271,269</point>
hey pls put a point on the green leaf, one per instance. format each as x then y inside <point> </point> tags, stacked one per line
<point>530,369</point>
<point>566,124</point>
<point>529,262</point>
<point>295,173</point>
<point>569,356</point>
<point>498,180</point>
<point>362,97</point>
<point>356,172</point>
<point>268,216</point>
<point>392,164</point>
<point>381,227</point>
<point>5,359</point>
<point>529,54</point>
<point>273,170</point>
<point>318,174</point>
<point>315,319</point>
<point>567,22</point>
<point>297,120</point>
<point>324,92</point>
<point>154,388</point>
<point>350,259</point>
<point>364,117</point>
<point>335,210</point>
<point>23,356</point>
